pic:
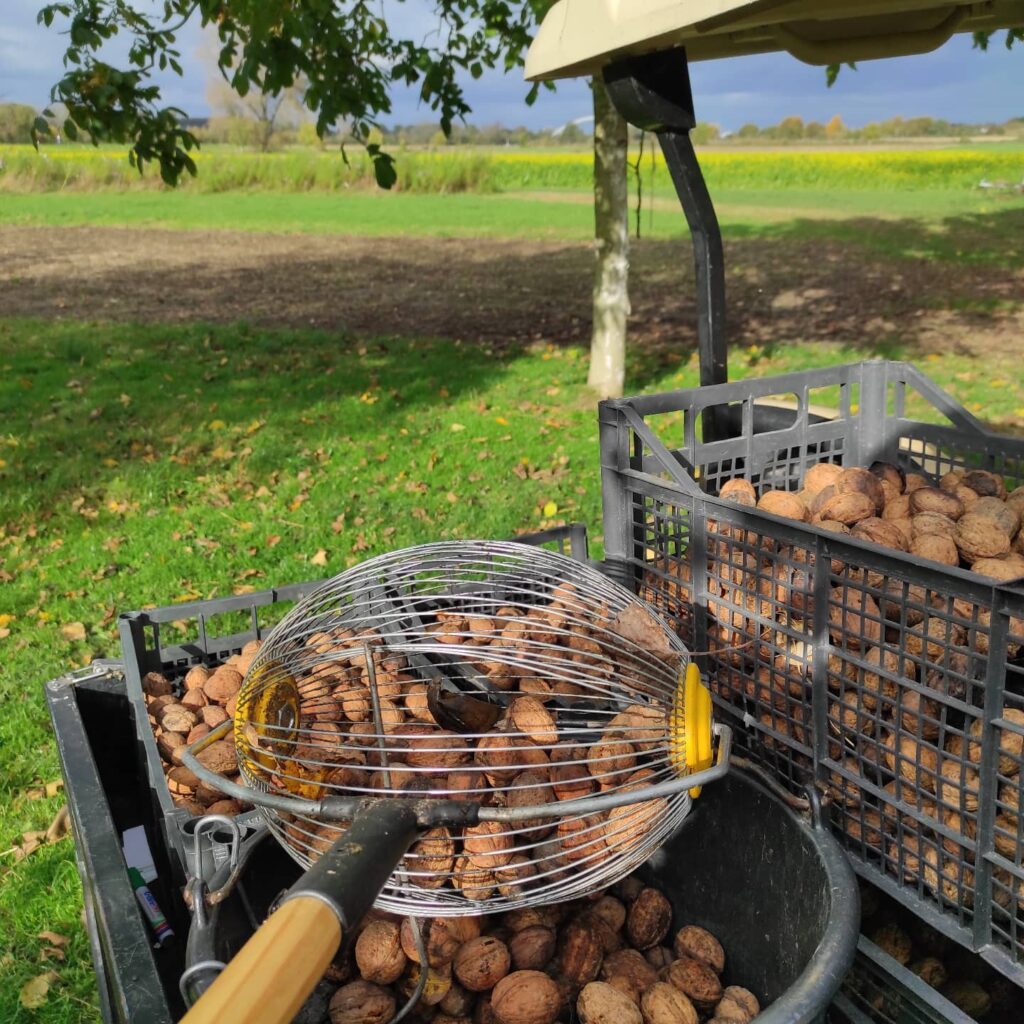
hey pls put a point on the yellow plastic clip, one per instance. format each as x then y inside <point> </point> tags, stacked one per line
<point>697,712</point>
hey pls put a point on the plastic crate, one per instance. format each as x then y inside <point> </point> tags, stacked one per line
<point>880,990</point>
<point>782,608</point>
<point>173,639</point>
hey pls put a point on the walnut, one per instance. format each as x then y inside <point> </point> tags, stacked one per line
<point>532,948</point>
<point>438,752</point>
<point>222,685</point>
<point>932,523</point>
<point>379,953</point>
<point>632,965</point>
<point>700,944</point>
<point>431,858</point>
<point>914,481</point>
<point>526,997</point>
<point>985,484</point>
<point>640,724</point>
<point>738,491</point>
<point>821,475</point>
<point>848,508</point>
<point>888,473</point>
<point>197,677</point>
<point>897,508</point>
<point>892,939</point>
<point>648,919</point>
<point>663,1003</point>
<point>696,981</point>
<point>167,743</point>
<point>1005,515</point>
<point>783,503</point>
<point>154,684</point>
<point>933,499</point>
<point>936,548</point>
<point>569,781</point>
<point>177,718</point>
<point>611,911</point>
<point>861,481</point>
<point>529,716</point>
<point>980,537</point>
<point>481,963</point>
<point>658,956</point>
<point>361,1002</point>
<point>738,1004</point>
<point>854,618</point>
<point>879,531</point>
<point>601,1003</point>
<point>609,761</point>
<point>580,954</point>
<point>219,757</point>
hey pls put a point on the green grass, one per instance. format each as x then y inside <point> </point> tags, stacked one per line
<point>930,225</point>
<point>142,465</point>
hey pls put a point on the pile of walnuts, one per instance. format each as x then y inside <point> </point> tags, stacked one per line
<point>206,698</point>
<point>560,727</point>
<point>548,663</point>
<point>891,645</point>
<point>611,959</point>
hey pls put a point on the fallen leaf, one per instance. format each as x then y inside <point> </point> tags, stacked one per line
<point>4,633</point>
<point>34,992</point>
<point>273,540</point>
<point>73,631</point>
<point>320,558</point>
<point>53,788</point>
<point>456,427</point>
<point>452,497</point>
<point>53,938</point>
<point>6,620</point>
<point>550,508</point>
<point>35,793</point>
<point>51,953</point>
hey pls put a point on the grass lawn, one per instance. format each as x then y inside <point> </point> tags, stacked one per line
<point>942,223</point>
<point>143,465</point>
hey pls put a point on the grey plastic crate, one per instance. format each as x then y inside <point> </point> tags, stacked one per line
<point>880,990</point>
<point>173,639</point>
<point>782,608</point>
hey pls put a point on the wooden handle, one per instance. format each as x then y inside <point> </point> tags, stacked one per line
<point>270,977</point>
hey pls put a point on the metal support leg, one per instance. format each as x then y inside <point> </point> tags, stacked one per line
<point>653,92</point>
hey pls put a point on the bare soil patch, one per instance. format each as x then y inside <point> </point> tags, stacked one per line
<point>504,293</point>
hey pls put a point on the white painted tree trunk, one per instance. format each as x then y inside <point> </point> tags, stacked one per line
<point>611,245</point>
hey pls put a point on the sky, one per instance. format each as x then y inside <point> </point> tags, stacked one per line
<point>956,82</point>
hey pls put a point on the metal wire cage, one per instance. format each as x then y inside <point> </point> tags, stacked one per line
<point>486,672</point>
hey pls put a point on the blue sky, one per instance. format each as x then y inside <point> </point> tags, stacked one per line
<point>956,82</point>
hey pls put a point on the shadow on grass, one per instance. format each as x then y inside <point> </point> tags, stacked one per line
<point>126,409</point>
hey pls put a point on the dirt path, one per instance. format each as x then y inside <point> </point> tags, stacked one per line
<point>501,293</point>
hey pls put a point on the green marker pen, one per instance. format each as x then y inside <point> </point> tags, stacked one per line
<point>154,915</point>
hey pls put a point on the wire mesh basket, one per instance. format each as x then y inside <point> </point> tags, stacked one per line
<point>897,684</point>
<point>532,690</point>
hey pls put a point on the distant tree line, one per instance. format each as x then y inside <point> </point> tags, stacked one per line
<point>265,126</point>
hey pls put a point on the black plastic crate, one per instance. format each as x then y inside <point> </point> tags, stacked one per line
<point>173,639</point>
<point>841,661</point>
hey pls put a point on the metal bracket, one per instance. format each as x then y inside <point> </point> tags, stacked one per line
<point>96,669</point>
<point>653,93</point>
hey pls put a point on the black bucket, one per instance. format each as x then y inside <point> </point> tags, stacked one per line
<point>774,888</point>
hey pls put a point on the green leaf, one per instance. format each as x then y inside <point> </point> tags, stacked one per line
<point>71,129</point>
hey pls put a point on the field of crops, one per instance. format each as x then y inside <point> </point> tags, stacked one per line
<point>221,169</point>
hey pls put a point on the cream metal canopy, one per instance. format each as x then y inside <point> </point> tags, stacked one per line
<point>578,37</point>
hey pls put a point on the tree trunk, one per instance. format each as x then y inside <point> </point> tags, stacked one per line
<point>611,238</point>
